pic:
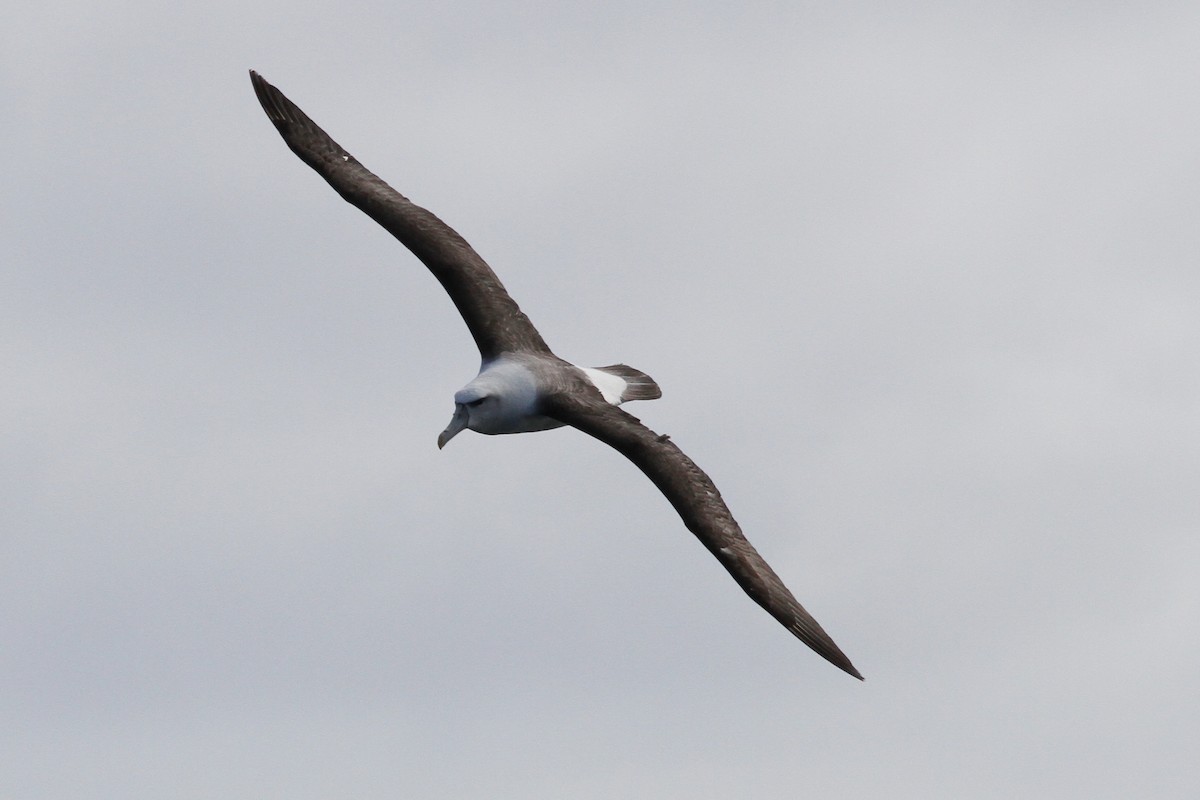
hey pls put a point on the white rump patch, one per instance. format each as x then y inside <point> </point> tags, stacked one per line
<point>611,386</point>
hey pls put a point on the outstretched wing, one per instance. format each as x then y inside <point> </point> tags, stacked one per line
<point>699,503</point>
<point>493,318</point>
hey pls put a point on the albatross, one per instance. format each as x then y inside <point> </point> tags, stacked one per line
<point>523,386</point>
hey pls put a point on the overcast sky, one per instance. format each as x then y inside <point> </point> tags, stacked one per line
<point>922,290</point>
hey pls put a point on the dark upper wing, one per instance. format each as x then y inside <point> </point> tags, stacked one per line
<point>493,318</point>
<point>699,503</point>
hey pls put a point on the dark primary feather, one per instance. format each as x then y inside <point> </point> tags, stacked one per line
<point>493,318</point>
<point>699,504</point>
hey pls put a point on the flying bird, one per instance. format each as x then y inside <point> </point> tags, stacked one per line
<point>523,386</point>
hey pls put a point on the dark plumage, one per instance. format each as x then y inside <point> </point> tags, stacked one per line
<point>523,386</point>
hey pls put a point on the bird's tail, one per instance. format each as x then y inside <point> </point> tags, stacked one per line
<point>638,385</point>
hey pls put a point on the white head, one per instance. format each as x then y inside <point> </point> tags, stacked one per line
<point>501,399</point>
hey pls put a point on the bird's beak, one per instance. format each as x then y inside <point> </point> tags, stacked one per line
<point>457,423</point>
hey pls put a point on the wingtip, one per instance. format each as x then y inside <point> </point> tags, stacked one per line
<point>839,660</point>
<point>804,627</point>
<point>266,94</point>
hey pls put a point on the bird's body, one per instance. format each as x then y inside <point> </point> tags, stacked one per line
<point>505,396</point>
<point>523,386</point>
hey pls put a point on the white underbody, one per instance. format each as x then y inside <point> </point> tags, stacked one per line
<point>503,397</point>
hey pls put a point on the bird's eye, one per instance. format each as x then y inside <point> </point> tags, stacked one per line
<point>478,402</point>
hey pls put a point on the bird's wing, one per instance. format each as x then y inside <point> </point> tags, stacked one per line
<point>493,318</point>
<point>698,502</point>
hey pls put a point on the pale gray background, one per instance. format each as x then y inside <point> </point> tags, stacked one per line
<point>922,291</point>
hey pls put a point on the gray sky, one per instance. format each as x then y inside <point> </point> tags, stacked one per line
<point>920,287</point>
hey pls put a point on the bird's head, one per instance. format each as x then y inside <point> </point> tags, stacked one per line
<point>475,407</point>
<point>502,398</point>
